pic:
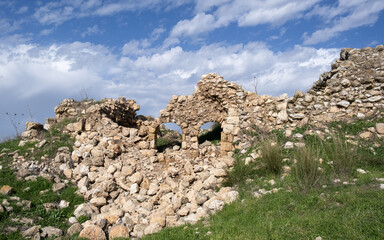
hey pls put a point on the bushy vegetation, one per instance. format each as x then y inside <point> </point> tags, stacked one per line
<point>271,156</point>
<point>307,167</point>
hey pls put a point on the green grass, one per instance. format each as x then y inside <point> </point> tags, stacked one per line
<point>307,172</point>
<point>164,143</point>
<point>309,203</point>
<point>37,192</point>
<point>357,126</point>
<point>55,139</point>
<point>271,156</point>
<point>31,191</point>
<point>352,213</point>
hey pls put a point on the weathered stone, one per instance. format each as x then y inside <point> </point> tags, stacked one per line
<point>51,231</point>
<point>153,189</point>
<point>98,201</point>
<point>343,104</point>
<point>380,128</point>
<point>63,204</point>
<point>30,232</point>
<point>93,232</point>
<point>113,215</point>
<point>216,205</point>
<point>157,217</point>
<point>136,178</point>
<point>375,99</point>
<point>6,190</point>
<point>84,209</point>
<point>74,229</point>
<point>119,231</point>
<point>58,187</point>
<point>288,145</point>
<point>365,135</point>
<point>191,219</point>
<point>152,228</point>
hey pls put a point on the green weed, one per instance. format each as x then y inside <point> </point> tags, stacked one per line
<point>307,173</point>
<point>271,156</point>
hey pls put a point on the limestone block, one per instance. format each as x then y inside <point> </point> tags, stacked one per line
<point>343,104</point>
<point>226,146</point>
<point>227,128</point>
<point>380,128</point>
<point>119,231</point>
<point>233,120</point>
<point>93,232</point>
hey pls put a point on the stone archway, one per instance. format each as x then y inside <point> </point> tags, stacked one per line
<point>214,100</point>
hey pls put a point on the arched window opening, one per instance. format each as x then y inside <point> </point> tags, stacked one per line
<point>210,131</point>
<point>168,135</point>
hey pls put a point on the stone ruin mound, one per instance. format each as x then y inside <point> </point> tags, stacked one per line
<point>134,190</point>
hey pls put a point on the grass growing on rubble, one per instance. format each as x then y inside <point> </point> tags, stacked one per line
<point>37,192</point>
<point>28,197</point>
<point>323,196</point>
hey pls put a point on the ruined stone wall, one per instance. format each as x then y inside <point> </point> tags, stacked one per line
<point>214,100</point>
<point>353,88</point>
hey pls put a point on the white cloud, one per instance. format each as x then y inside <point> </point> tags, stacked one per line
<point>199,24</point>
<point>7,26</point>
<point>57,12</point>
<point>244,13</point>
<point>43,75</point>
<point>91,31</point>
<point>345,16</point>
<point>274,12</point>
<point>22,10</point>
<point>46,32</point>
<point>156,33</point>
<point>136,48</point>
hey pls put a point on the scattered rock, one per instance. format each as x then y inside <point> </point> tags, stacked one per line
<point>380,128</point>
<point>51,231</point>
<point>75,228</point>
<point>6,190</point>
<point>93,232</point>
<point>119,231</point>
<point>56,187</point>
<point>30,232</point>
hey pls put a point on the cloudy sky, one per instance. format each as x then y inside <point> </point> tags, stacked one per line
<point>149,50</point>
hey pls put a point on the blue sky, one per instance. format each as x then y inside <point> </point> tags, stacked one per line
<point>149,50</point>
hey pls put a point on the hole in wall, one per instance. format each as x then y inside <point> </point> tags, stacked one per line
<point>210,131</point>
<point>168,135</point>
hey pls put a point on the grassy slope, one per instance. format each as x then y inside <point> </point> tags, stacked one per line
<point>329,210</point>
<point>32,190</point>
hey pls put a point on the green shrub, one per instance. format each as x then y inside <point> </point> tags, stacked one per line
<point>307,172</point>
<point>340,154</point>
<point>271,156</point>
<point>240,172</point>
